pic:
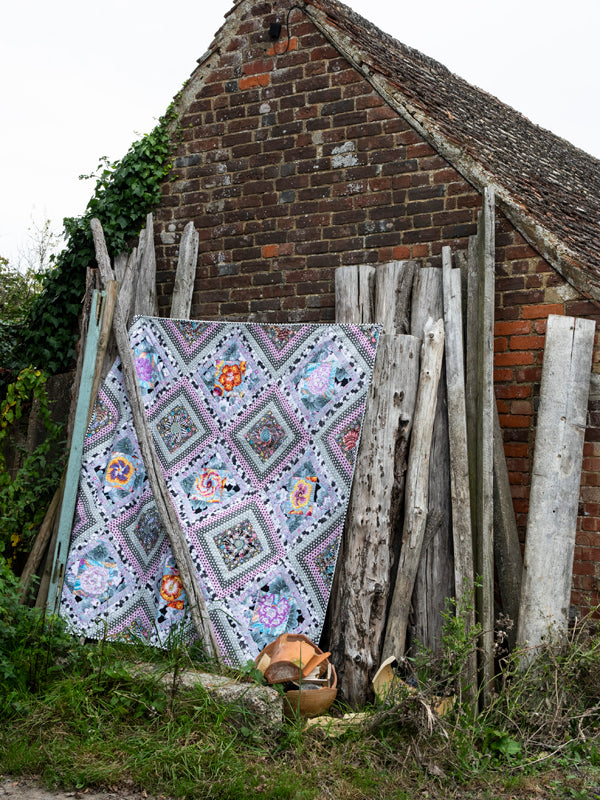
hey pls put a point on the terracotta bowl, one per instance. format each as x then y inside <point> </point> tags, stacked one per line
<point>310,702</point>
<point>292,673</point>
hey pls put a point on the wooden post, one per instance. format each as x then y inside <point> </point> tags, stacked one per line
<point>507,551</point>
<point>416,497</point>
<point>186,273</point>
<point>485,440</point>
<point>145,294</point>
<point>354,294</point>
<point>67,510</point>
<point>156,479</point>
<point>556,474</point>
<point>360,602</point>
<point>435,577</point>
<point>393,289</point>
<point>459,459</point>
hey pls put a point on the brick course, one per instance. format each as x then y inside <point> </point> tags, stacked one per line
<point>291,165</point>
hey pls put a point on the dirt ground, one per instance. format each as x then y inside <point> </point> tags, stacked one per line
<point>27,789</point>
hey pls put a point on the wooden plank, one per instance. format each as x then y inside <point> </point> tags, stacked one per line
<point>471,337</point>
<point>120,266</point>
<point>416,496</point>
<point>354,294</point>
<point>186,273</point>
<point>34,558</point>
<point>156,479</point>
<point>393,290</point>
<point>484,550</point>
<point>507,550</point>
<point>358,606</point>
<point>459,459</point>
<point>145,293</point>
<point>435,577</point>
<point>67,510</point>
<point>108,310</point>
<point>555,478</point>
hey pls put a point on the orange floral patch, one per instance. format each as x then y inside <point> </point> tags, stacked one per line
<point>230,375</point>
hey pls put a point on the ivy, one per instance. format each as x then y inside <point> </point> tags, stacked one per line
<point>126,191</point>
<point>24,496</point>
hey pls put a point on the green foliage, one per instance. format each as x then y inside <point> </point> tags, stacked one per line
<point>24,496</point>
<point>125,192</point>
<point>30,643</point>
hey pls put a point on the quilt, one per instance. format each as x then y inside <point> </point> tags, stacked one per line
<point>256,427</point>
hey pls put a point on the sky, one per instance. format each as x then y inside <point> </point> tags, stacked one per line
<point>83,80</point>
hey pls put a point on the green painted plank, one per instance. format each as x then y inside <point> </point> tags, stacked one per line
<point>76,453</point>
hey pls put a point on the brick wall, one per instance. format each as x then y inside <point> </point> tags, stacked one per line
<point>290,165</point>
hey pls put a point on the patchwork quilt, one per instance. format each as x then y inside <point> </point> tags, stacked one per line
<point>256,427</point>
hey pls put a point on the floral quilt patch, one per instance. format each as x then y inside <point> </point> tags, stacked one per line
<point>256,428</point>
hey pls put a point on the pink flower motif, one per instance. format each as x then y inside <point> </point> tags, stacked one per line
<point>350,439</point>
<point>318,380</point>
<point>94,580</point>
<point>273,610</point>
<point>143,365</point>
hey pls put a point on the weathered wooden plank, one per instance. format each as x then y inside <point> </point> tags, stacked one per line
<point>34,558</point>
<point>120,266</point>
<point>507,551</point>
<point>416,496</point>
<point>354,294</point>
<point>157,482</point>
<point>393,289</point>
<point>459,459</point>
<point>145,294</point>
<point>471,337</point>
<point>359,603</point>
<point>435,577</point>
<point>186,273</point>
<point>555,478</point>
<point>67,510</point>
<point>484,550</point>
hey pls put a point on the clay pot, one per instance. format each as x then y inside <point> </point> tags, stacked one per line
<point>308,701</point>
<point>291,657</point>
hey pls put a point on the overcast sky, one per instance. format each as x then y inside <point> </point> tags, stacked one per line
<point>82,80</point>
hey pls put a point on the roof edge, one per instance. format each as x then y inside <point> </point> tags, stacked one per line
<point>562,258</point>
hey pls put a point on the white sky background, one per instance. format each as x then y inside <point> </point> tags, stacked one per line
<point>81,80</point>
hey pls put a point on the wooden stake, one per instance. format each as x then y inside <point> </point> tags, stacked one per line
<point>186,273</point>
<point>145,293</point>
<point>157,482</point>
<point>435,577</point>
<point>354,294</point>
<point>393,289</point>
<point>485,440</point>
<point>507,551</point>
<point>417,482</point>
<point>359,606</point>
<point>459,459</point>
<point>556,474</point>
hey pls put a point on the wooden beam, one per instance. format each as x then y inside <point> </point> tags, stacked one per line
<point>484,550</point>
<point>359,605</point>
<point>67,510</point>
<point>507,550</point>
<point>555,478</point>
<point>156,479</point>
<point>186,273</point>
<point>145,294</point>
<point>393,289</point>
<point>459,459</point>
<point>417,485</point>
<point>435,577</point>
<point>354,294</point>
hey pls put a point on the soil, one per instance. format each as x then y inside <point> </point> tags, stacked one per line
<point>29,789</point>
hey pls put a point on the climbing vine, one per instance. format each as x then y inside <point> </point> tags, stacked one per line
<point>24,494</point>
<point>125,192</point>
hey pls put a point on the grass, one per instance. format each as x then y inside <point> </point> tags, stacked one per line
<point>99,715</point>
